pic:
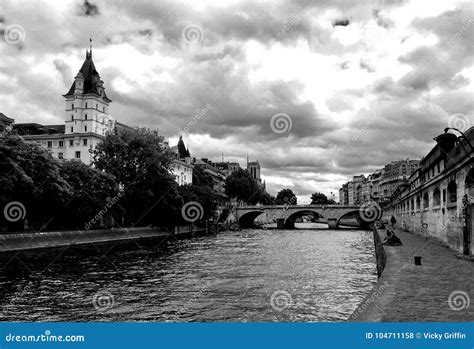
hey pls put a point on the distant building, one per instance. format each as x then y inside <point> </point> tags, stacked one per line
<point>86,118</point>
<point>380,186</point>
<point>181,167</point>
<point>218,177</point>
<point>395,174</point>
<point>344,195</point>
<point>354,190</point>
<point>227,167</point>
<point>254,169</point>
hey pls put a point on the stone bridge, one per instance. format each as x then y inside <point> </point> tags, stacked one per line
<point>285,215</point>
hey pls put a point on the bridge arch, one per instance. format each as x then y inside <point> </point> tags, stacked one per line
<point>352,213</point>
<point>290,220</point>
<point>246,220</point>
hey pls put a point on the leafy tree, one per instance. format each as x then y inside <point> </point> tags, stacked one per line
<point>320,199</point>
<point>200,177</point>
<point>202,194</point>
<point>286,196</point>
<point>94,193</point>
<point>30,175</point>
<point>240,185</point>
<point>267,199</point>
<point>141,163</point>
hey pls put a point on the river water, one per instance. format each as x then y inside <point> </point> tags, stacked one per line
<point>251,275</point>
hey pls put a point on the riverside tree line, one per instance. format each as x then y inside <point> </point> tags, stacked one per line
<point>129,184</point>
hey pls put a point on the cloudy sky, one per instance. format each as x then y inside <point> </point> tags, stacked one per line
<point>316,91</point>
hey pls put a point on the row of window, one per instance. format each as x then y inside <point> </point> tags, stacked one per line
<point>96,107</point>
<point>77,155</point>
<point>71,143</point>
<point>87,118</point>
<point>449,197</point>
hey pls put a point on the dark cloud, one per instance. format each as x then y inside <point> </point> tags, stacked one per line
<point>89,9</point>
<point>341,22</point>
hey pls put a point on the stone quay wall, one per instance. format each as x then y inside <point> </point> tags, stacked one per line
<point>429,211</point>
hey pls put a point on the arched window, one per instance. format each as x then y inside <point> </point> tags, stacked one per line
<point>412,205</point>
<point>452,192</point>
<point>418,202</point>
<point>426,201</point>
<point>436,197</point>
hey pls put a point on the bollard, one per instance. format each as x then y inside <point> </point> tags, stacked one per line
<point>417,260</point>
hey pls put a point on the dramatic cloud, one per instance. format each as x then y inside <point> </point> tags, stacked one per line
<point>317,91</point>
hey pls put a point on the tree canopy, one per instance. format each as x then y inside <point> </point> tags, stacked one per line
<point>141,162</point>
<point>286,196</point>
<point>241,186</point>
<point>320,199</point>
<point>29,175</point>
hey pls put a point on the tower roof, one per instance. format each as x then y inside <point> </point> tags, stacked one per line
<point>91,78</point>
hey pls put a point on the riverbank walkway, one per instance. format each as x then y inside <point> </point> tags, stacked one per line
<point>441,289</point>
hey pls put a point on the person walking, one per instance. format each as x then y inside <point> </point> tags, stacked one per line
<point>393,221</point>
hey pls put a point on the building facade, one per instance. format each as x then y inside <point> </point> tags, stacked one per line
<point>182,171</point>
<point>438,200</point>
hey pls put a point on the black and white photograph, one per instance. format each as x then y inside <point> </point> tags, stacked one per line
<point>234,161</point>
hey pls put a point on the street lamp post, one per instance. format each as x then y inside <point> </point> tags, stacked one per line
<point>462,134</point>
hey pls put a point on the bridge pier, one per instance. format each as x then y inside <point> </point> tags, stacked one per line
<point>280,223</point>
<point>332,223</point>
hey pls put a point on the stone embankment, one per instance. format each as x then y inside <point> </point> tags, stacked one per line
<point>440,289</point>
<point>21,242</point>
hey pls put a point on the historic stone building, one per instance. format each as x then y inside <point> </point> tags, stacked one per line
<point>395,174</point>
<point>181,167</point>
<point>438,202</point>
<point>344,195</point>
<point>354,190</point>
<point>86,118</point>
<point>254,169</point>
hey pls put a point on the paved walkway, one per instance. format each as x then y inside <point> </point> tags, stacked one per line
<point>407,292</point>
